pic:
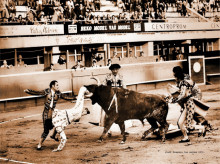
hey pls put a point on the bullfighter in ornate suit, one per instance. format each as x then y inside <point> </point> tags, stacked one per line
<point>115,80</point>
<point>52,95</point>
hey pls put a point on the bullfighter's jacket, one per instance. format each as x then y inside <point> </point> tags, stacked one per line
<point>47,114</point>
<point>114,81</point>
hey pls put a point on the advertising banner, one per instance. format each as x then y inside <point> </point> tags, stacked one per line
<point>181,26</point>
<point>30,30</point>
<point>103,28</point>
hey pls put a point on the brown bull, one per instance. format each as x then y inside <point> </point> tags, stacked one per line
<point>121,104</point>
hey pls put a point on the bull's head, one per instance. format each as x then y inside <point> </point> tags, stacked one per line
<point>91,90</point>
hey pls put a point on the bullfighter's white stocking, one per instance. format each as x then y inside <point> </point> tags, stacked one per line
<point>62,142</point>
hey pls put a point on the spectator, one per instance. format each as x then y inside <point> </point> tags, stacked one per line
<point>3,9</point>
<point>20,19</point>
<point>66,13</point>
<point>201,8</point>
<point>109,19</point>
<point>11,8</point>
<point>69,4</point>
<point>184,11</point>
<point>121,18</point>
<point>78,65</point>
<point>55,15</point>
<point>5,64</point>
<point>127,4</point>
<point>114,19</point>
<point>121,5</point>
<point>97,5</point>
<point>87,18</point>
<point>99,19</point>
<point>73,14</point>
<point>212,5</point>
<point>174,53</point>
<point>31,15</point>
<point>12,18</point>
<point>28,20</point>
<point>20,61</point>
<point>126,18</point>
<point>109,62</point>
<point>179,56</point>
<point>61,60</point>
<point>43,19</point>
<point>94,63</point>
<point>98,57</point>
<point>36,21</point>
<point>134,15</point>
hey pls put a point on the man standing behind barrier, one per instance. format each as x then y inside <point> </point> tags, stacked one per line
<point>115,80</point>
<point>52,95</point>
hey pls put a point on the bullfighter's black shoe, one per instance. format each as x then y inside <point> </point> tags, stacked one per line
<point>94,123</point>
<point>39,147</point>
<point>183,141</point>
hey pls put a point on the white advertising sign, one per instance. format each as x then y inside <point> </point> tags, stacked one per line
<point>181,26</point>
<point>31,30</point>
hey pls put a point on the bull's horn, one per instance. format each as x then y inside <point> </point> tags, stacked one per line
<point>98,81</point>
<point>89,95</point>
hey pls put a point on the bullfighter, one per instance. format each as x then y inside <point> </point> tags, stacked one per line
<point>52,95</point>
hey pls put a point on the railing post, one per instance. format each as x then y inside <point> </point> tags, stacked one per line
<point>67,59</point>
<point>16,58</point>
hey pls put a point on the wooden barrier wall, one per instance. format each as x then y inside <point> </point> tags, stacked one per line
<point>12,86</point>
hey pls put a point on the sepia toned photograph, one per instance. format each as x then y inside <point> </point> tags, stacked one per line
<point>110,81</point>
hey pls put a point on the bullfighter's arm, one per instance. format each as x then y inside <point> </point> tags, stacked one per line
<point>182,93</point>
<point>66,97</point>
<point>33,92</point>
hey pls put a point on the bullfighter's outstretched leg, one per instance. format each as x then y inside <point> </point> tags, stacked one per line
<point>62,142</point>
<point>154,126</point>
<point>108,123</point>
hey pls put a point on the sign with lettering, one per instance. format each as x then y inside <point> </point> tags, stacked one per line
<point>137,26</point>
<point>181,26</point>
<point>107,28</point>
<point>72,29</point>
<point>28,30</point>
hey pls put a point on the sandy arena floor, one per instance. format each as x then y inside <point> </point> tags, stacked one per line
<point>20,131</point>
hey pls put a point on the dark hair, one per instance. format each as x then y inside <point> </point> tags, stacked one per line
<point>52,64</point>
<point>114,66</point>
<point>178,72</point>
<point>177,69</point>
<point>53,83</point>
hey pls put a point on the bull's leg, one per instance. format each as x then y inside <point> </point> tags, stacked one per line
<point>122,127</point>
<point>62,142</point>
<point>154,126</point>
<point>163,128</point>
<point>107,124</point>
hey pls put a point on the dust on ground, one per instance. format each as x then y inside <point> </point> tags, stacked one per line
<point>19,138</point>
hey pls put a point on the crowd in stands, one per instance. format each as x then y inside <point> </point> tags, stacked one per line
<point>50,11</point>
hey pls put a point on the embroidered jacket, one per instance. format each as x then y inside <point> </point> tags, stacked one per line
<point>114,81</point>
<point>188,89</point>
<point>47,92</point>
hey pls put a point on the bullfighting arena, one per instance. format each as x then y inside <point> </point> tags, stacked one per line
<point>21,129</point>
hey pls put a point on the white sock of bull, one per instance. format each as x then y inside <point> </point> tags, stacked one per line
<point>63,141</point>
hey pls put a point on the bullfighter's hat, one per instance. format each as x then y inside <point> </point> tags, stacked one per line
<point>114,66</point>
